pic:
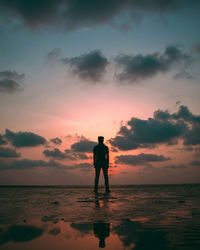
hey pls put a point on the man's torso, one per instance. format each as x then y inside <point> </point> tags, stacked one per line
<point>101,152</point>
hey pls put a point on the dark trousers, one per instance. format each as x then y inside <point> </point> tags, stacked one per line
<point>97,174</point>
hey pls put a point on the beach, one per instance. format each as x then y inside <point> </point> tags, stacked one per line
<point>129,217</point>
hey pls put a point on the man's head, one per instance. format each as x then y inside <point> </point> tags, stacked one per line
<point>100,139</point>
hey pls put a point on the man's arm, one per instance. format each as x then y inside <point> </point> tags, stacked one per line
<point>107,157</point>
<point>94,157</point>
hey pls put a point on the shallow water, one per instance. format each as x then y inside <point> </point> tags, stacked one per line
<point>132,217</point>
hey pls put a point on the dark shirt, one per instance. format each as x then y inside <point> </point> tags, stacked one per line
<point>100,152</point>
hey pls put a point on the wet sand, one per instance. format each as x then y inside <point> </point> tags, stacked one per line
<point>134,217</point>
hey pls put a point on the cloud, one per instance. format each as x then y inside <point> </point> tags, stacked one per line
<point>183,75</point>
<point>2,140</point>
<point>71,14</point>
<point>162,128</point>
<point>9,86</point>
<point>27,164</point>
<point>12,75</point>
<point>24,139</point>
<point>53,55</point>
<point>20,233</point>
<point>139,67</point>
<point>56,141</point>
<point>192,135</point>
<point>8,153</point>
<point>196,48</point>
<point>90,66</point>
<point>174,166</point>
<point>134,233</point>
<point>146,133</point>
<point>10,81</point>
<point>195,163</point>
<point>185,114</point>
<point>83,166</point>
<point>84,146</point>
<point>81,156</point>
<point>141,159</point>
<point>31,164</point>
<point>85,228</point>
<point>55,153</point>
<point>67,154</point>
<point>55,231</point>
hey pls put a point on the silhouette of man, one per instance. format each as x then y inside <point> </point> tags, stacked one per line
<point>101,160</point>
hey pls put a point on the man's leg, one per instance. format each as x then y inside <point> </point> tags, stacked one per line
<point>105,173</point>
<point>96,182</point>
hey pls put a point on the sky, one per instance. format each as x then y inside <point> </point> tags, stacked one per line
<point>71,71</point>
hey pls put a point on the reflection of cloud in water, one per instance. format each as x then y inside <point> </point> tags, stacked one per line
<point>55,231</point>
<point>20,233</point>
<point>85,228</point>
<point>132,233</point>
<point>51,218</point>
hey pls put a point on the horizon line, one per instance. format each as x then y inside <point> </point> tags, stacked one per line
<point>101,186</point>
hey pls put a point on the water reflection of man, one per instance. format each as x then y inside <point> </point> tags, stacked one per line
<point>101,230</point>
<point>100,227</point>
<point>101,160</point>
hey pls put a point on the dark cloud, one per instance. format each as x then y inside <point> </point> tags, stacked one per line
<point>20,233</point>
<point>56,141</point>
<point>147,133</point>
<point>11,75</point>
<point>141,159</point>
<point>8,153</point>
<point>183,75</point>
<point>192,135</point>
<point>53,55</point>
<point>81,156</point>
<point>134,233</point>
<point>55,153</point>
<point>71,14</point>
<point>113,149</point>
<point>26,164</point>
<point>75,155</point>
<point>90,66</point>
<point>137,67</point>
<point>84,146</point>
<point>195,163</point>
<point>161,115</point>
<point>185,114</point>
<point>2,140</point>
<point>82,166</point>
<point>10,81</point>
<point>24,139</point>
<point>30,164</point>
<point>9,85</point>
<point>162,128</point>
<point>85,228</point>
<point>67,154</point>
<point>55,231</point>
<point>174,166</point>
<point>196,48</point>
<point>178,103</point>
